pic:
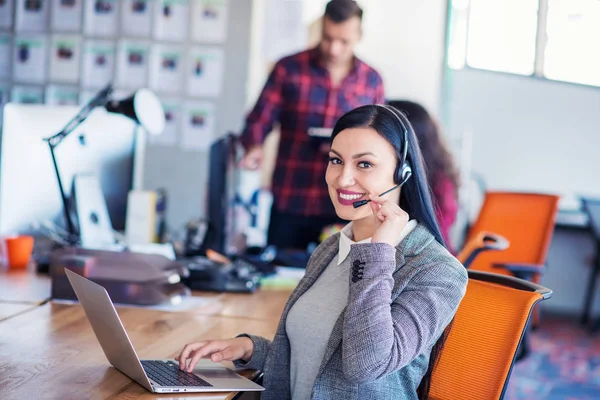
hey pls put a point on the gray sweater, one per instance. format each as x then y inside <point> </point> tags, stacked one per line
<point>379,348</point>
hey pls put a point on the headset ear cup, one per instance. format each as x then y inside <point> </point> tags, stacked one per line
<point>402,174</point>
<point>406,172</point>
<point>398,174</point>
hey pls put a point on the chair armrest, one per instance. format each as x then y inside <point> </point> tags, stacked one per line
<point>510,281</point>
<point>520,267</point>
<point>481,242</point>
<point>521,270</point>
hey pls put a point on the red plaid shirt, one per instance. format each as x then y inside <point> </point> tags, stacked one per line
<point>299,95</point>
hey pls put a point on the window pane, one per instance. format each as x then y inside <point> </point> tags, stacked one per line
<point>573,36</point>
<point>457,33</point>
<point>502,35</point>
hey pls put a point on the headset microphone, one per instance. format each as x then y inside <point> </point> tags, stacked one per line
<point>361,203</point>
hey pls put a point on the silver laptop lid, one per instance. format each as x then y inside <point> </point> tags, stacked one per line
<point>108,328</point>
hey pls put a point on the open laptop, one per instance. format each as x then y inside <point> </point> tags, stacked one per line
<point>158,376</point>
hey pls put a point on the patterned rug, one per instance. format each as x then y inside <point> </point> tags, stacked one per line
<point>564,364</point>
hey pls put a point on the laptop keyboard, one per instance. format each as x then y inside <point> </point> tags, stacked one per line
<point>169,374</point>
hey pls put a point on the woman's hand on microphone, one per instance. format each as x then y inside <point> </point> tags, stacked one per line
<point>390,220</point>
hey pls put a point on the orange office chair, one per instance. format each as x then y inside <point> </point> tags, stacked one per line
<point>477,358</point>
<point>524,219</point>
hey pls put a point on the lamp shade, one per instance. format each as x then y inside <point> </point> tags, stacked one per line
<point>144,108</point>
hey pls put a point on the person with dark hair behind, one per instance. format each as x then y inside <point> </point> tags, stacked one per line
<point>370,316</point>
<point>442,173</point>
<point>306,93</point>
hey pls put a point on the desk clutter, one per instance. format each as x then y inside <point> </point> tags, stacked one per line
<point>152,279</point>
<point>129,278</point>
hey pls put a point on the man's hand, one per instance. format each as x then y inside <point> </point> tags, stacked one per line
<point>253,159</point>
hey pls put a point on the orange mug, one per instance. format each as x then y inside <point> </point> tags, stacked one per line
<point>17,250</point>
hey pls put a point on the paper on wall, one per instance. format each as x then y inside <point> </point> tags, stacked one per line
<point>6,14</point>
<point>167,68</point>
<point>65,59</point>
<point>29,59</point>
<point>205,71</point>
<point>98,63</point>
<point>100,18</point>
<point>171,19</point>
<point>136,17</point>
<point>209,20</point>
<point>66,15</point>
<point>31,16</point>
<point>198,126</point>
<point>132,64</point>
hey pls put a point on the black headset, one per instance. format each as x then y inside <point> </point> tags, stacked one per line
<point>403,170</point>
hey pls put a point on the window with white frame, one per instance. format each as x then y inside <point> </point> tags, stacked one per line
<point>554,39</point>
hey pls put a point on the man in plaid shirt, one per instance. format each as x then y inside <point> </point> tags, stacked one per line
<point>304,93</point>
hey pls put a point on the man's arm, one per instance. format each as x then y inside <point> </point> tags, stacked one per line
<point>379,92</point>
<point>266,111</point>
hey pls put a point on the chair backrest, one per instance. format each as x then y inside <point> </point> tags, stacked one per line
<point>477,358</point>
<point>526,220</point>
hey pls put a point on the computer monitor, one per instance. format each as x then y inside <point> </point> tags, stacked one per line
<point>105,145</point>
<point>221,192</point>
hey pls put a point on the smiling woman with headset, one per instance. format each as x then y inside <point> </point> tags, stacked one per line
<point>368,318</point>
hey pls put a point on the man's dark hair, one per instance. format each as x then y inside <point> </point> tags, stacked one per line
<point>340,11</point>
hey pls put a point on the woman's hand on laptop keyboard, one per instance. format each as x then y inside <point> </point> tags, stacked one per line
<point>217,350</point>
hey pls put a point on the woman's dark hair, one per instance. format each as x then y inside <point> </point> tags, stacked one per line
<point>415,197</point>
<point>436,155</point>
<point>340,11</point>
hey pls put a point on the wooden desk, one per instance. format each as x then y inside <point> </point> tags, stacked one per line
<point>24,286</point>
<point>9,310</point>
<point>29,287</point>
<point>51,352</point>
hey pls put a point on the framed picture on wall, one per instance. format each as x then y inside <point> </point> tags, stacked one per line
<point>62,95</point>
<point>100,18</point>
<point>136,17</point>
<point>6,14</point>
<point>31,15</point>
<point>205,71</point>
<point>209,21</point>
<point>29,58</point>
<point>65,59</point>
<point>171,19</point>
<point>132,64</point>
<point>167,68</point>
<point>98,64</point>
<point>66,15</point>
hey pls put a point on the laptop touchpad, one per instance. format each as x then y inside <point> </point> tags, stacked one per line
<point>218,373</point>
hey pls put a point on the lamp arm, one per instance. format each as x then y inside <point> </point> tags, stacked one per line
<point>53,141</point>
<point>99,100</point>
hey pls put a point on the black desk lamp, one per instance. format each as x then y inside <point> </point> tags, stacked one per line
<point>142,106</point>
